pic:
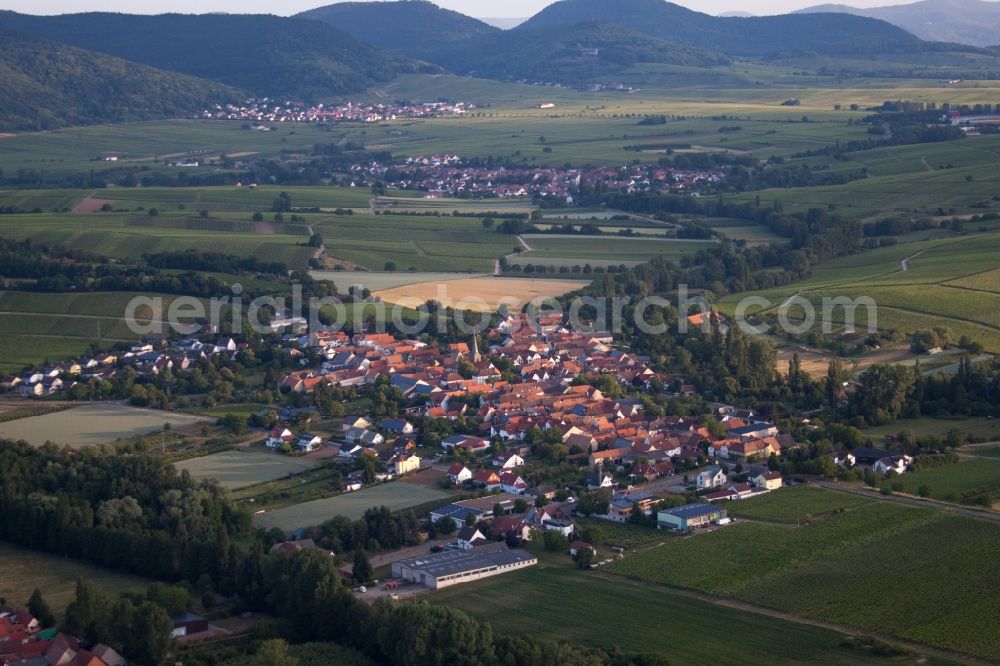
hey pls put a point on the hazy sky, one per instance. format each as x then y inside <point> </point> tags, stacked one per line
<point>488,8</point>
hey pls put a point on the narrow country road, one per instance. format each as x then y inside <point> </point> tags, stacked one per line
<point>905,263</point>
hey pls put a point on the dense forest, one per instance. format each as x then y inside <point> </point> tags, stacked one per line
<point>418,29</point>
<point>48,85</point>
<point>825,33</point>
<point>575,54</point>
<point>265,55</point>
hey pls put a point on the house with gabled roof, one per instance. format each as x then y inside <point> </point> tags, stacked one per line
<point>308,442</point>
<point>770,480</point>
<point>486,478</point>
<point>459,473</point>
<point>470,537</point>
<point>711,477</point>
<point>511,482</point>
<point>279,436</point>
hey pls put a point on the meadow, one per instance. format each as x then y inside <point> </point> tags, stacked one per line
<point>794,504</point>
<point>962,480</point>
<point>27,570</point>
<point>93,424</point>
<point>988,429</point>
<point>556,602</point>
<point>397,496</point>
<point>845,568</point>
<point>241,468</point>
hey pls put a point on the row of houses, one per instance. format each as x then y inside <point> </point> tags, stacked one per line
<point>146,359</point>
<point>24,642</point>
<point>454,177</point>
<point>268,110</point>
<point>881,462</point>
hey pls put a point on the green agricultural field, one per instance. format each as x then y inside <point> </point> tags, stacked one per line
<point>960,481</point>
<point>568,250</point>
<point>397,496</point>
<point>930,427</point>
<point>445,206</point>
<point>124,237</point>
<point>237,199</point>
<point>150,144</point>
<point>607,534</point>
<point>94,423</point>
<point>378,280</point>
<point>556,602</point>
<point>241,468</point>
<point>35,327</point>
<point>50,201</point>
<point>798,503</point>
<point>916,286</point>
<point>414,243</point>
<point>752,234</point>
<point>834,568</point>
<point>18,351</point>
<point>954,177</point>
<point>27,570</point>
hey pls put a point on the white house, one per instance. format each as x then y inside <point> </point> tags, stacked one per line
<point>280,436</point>
<point>768,480</point>
<point>892,464</point>
<point>512,461</point>
<point>711,477</point>
<point>844,459</point>
<point>511,482</point>
<point>459,473</point>
<point>398,426</point>
<point>308,443</point>
<point>407,463</point>
<point>364,437</point>
<point>600,480</point>
<point>468,537</point>
<point>350,423</point>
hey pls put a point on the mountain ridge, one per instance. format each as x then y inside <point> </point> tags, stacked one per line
<point>265,55</point>
<point>753,36</point>
<point>48,85</point>
<point>973,22</point>
<point>416,28</point>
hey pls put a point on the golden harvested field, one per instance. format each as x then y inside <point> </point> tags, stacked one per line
<point>484,294</point>
<point>92,424</point>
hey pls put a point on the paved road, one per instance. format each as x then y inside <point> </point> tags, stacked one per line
<point>910,500</point>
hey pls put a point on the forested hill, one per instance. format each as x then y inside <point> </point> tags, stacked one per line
<point>756,36</point>
<point>584,53</point>
<point>45,85</point>
<point>266,55</point>
<point>975,22</point>
<point>416,28</point>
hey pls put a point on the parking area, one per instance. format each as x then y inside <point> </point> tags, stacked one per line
<point>395,589</point>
